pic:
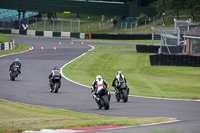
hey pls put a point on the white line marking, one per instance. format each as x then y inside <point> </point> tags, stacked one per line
<point>61,69</point>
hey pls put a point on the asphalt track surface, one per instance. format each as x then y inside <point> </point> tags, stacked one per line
<point>32,87</point>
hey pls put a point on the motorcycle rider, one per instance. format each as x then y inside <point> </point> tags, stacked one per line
<point>16,63</point>
<point>118,78</point>
<point>98,83</point>
<point>55,72</point>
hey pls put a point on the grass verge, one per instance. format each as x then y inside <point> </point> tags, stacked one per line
<point>4,38</point>
<point>19,47</point>
<point>143,79</point>
<point>18,117</point>
<point>125,41</point>
<point>109,47</point>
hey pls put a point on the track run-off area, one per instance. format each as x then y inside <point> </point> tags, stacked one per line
<point>32,87</point>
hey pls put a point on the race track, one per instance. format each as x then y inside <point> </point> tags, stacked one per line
<point>32,87</point>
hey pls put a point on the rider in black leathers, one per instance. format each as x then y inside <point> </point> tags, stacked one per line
<point>17,63</point>
<point>118,78</point>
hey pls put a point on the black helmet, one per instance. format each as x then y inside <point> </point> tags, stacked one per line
<point>56,68</point>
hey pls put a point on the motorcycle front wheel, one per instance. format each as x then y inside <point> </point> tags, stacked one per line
<point>12,76</point>
<point>125,95</point>
<point>105,102</point>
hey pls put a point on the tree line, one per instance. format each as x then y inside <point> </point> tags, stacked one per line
<point>166,5</point>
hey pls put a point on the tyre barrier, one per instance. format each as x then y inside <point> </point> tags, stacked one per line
<point>174,60</point>
<point>155,48</point>
<point>45,33</point>
<point>124,36</point>
<point>7,45</point>
<point>147,48</point>
<point>173,49</point>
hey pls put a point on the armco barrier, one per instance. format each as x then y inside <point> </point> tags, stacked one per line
<point>174,60</point>
<point>123,36</point>
<point>75,35</point>
<point>5,31</point>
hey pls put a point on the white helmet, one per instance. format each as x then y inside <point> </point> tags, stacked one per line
<point>98,77</point>
<point>16,59</point>
<point>119,72</point>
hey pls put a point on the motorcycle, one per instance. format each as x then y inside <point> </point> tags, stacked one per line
<point>55,85</point>
<point>14,72</point>
<point>122,92</point>
<point>103,98</point>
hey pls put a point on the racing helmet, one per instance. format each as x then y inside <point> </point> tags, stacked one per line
<point>119,72</point>
<point>16,59</point>
<point>56,68</point>
<point>98,77</point>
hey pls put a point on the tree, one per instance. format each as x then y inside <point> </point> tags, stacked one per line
<point>194,6</point>
<point>176,5</point>
<point>142,18</point>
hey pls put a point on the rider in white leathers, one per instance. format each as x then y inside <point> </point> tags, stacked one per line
<point>98,84</point>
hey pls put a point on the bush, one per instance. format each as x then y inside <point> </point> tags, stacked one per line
<point>142,18</point>
<point>115,21</point>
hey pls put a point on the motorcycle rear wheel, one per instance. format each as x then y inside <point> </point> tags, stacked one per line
<point>56,87</point>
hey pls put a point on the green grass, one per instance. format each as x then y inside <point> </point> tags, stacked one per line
<point>18,117</point>
<point>4,38</point>
<point>124,41</point>
<point>143,79</point>
<point>109,47</point>
<point>19,47</point>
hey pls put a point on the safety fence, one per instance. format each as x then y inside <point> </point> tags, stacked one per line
<point>7,45</point>
<point>174,60</point>
<point>123,36</point>
<point>43,24</point>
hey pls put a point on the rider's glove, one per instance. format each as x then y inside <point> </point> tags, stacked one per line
<point>92,90</point>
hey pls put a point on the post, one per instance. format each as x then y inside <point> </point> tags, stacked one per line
<point>44,24</point>
<point>163,20</point>
<point>78,25</point>
<point>53,24</point>
<point>71,26</point>
<point>178,34</point>
<point>152,35</point>
<point>61,25</point>
<point>184,44</point>
<point>174,24</point>
<point>36,23</point>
